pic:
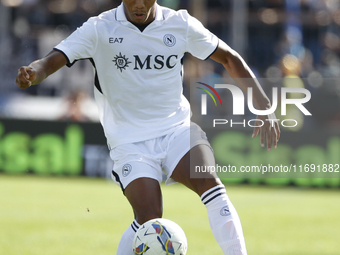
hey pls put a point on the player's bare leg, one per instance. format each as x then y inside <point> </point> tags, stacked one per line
<point>203,157</point>
<point>224,221</point>
<point>145,197</point>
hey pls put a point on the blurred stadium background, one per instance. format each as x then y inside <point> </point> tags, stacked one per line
<point>52,130</point>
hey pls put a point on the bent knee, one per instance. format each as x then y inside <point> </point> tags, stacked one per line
<point>144,216</point>
<point>201,185</point>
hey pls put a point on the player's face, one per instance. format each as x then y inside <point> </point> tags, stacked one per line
<point>140,11</point>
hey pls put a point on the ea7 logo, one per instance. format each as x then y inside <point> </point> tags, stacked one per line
<point>115,40</point>
<point>238,100</point>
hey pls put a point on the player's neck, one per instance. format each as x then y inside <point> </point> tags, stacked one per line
<point>142,26</point>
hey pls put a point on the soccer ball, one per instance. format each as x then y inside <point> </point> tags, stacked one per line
<point>160,237</point>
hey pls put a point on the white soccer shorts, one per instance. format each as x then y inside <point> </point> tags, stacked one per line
<point>155,158</point>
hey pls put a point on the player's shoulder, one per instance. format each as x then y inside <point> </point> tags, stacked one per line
<point>109,15</point>
<point>172,15</point>
<point>104,17</point>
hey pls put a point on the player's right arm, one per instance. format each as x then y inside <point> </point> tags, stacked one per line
<point>40,69</point>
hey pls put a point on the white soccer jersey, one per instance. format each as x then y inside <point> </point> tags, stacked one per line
<point>139,74</point>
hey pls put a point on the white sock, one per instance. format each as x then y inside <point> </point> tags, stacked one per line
<point>125,244</point>
<point>224,221</point>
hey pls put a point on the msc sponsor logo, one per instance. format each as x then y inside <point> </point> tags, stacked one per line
<point>121,62</point>
<point>155,62</point>
<point>148,62</point>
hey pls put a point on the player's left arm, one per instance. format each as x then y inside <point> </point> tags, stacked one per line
<point>244,77</point>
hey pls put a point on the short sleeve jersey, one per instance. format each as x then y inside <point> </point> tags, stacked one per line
<point>138,74</point>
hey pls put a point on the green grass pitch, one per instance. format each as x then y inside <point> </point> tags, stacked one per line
<point>82,216</point>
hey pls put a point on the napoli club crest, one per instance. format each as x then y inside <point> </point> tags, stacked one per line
<point>126,170</point>
<point>225,211</point>
<point>169,40</point>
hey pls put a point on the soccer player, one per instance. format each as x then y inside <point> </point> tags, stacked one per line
<point>136,50</point>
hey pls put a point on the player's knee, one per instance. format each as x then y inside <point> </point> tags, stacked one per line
<point>148,214</point>
<point>201,185</point>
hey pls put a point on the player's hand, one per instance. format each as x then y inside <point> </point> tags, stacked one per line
<point>26,75</point>
<point>269,131</point>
